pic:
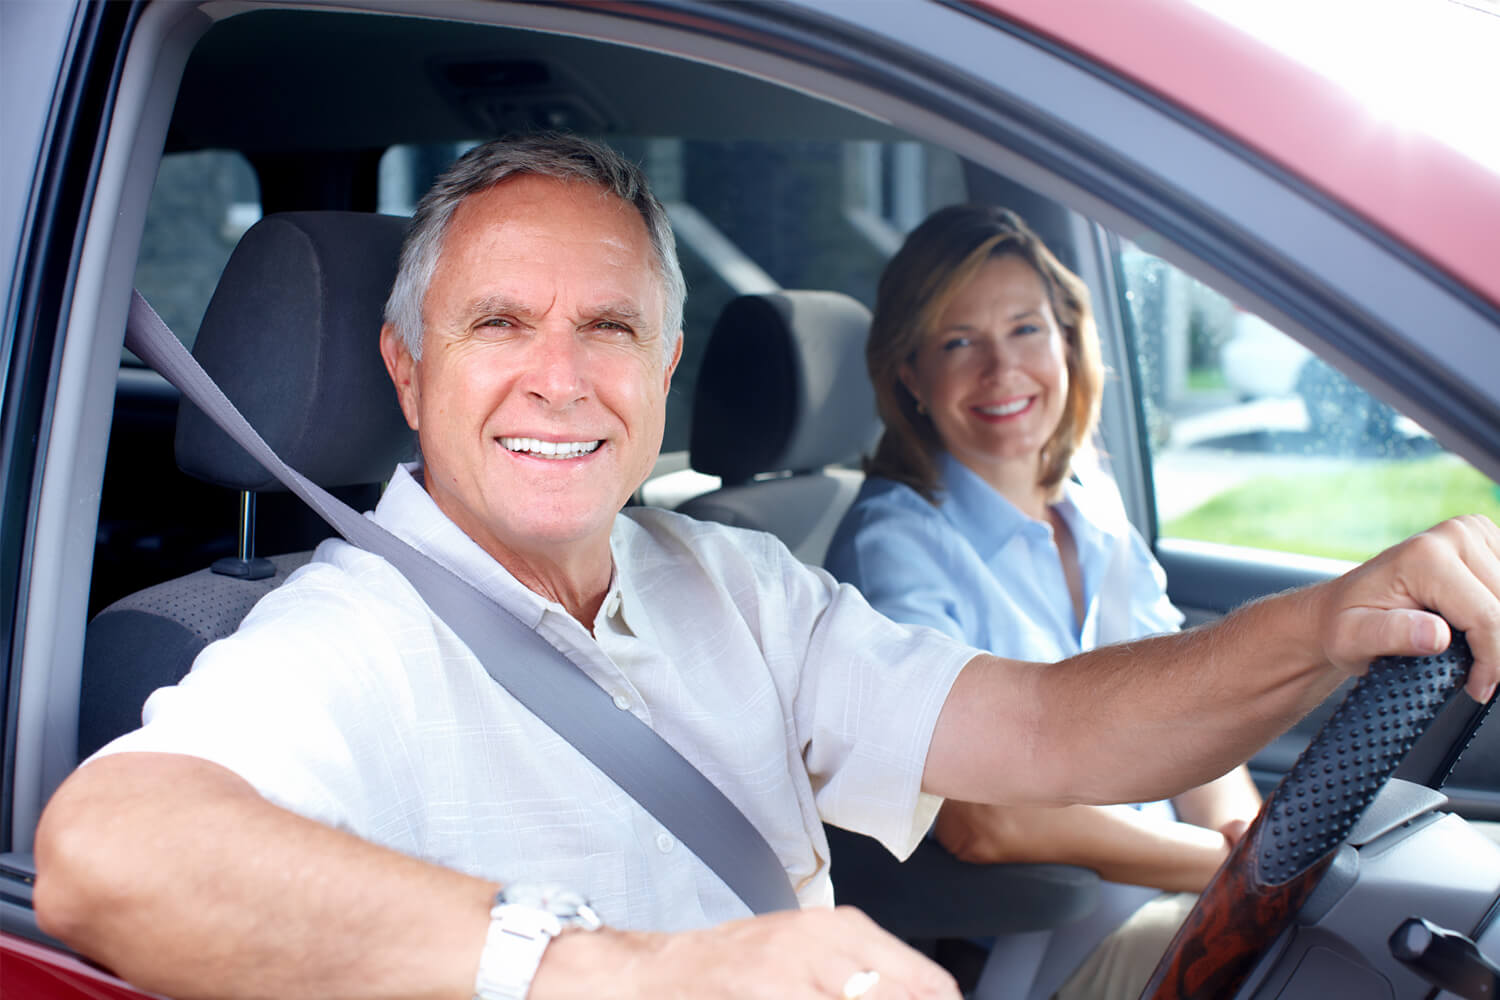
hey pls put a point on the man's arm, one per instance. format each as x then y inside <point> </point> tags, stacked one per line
<point>1182,709</point>
<point>180,877</point>
<point>177,875</point>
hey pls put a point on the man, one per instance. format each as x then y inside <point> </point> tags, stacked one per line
<point>328,804</point>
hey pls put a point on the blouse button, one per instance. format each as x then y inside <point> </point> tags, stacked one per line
<point>622,703</point>
<point>665,843</point>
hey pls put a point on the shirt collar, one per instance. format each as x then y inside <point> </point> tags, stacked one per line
<point>989,521</point>
<point>980,512</point>
<point>408,511</point>
<point>623,599</point>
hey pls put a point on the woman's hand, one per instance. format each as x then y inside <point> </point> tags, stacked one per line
<point>1233,831</point>
<point>1118,842</point>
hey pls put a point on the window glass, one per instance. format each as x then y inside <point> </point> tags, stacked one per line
<point>202,203</point>
<point>753,216</point>
<point>1256,442</point>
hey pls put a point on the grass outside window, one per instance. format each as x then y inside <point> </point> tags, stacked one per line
<point>1349,513</point>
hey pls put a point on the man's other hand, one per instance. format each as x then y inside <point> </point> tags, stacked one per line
<point>800,955</point>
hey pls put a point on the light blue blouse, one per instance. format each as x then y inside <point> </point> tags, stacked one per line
<point>978,569</point>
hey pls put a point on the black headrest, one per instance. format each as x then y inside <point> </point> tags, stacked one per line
<point>783,386</point>
<point>292,336</point>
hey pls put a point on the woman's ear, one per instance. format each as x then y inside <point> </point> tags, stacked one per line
<point>908,378</point>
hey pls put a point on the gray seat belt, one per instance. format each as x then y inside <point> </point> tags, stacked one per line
<point>537,674</point>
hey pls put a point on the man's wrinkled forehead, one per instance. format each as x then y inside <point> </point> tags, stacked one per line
<point>533,189</point>
<point>525,190</point>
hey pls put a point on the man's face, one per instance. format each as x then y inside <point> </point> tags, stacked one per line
<point>540,397</point>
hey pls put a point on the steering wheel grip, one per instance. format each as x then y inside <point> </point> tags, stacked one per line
<point>1280,859</point>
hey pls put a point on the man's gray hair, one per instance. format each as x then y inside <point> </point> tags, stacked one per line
<point>547,154</point>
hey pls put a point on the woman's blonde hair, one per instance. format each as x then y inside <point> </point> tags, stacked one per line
<point>938,258</point>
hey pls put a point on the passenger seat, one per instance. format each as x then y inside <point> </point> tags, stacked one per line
<point>782,401</point>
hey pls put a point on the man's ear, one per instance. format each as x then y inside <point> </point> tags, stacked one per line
<point>672,364</point>
<point>402,368</point>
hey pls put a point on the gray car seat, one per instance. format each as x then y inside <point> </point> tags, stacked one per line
<point>782,399</point>
<point>291,337</point>
<point>776,411</point>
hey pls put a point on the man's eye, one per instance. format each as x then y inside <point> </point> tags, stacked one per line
<point>496,321</point>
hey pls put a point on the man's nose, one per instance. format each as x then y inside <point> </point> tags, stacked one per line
<point>555,367</point>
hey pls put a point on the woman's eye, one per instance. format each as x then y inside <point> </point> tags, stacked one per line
<point>1028,328</point>
<point>954,343</point>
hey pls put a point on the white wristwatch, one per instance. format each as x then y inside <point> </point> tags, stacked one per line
<point>525,918</point>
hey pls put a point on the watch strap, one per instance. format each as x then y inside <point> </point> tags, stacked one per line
<point>513,947</point>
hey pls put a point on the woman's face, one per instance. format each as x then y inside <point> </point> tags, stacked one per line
<point>993,373</point>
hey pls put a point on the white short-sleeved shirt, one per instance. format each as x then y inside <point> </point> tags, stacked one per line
<point>344,699</point>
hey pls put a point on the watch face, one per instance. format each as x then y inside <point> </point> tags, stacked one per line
<point>568,906</point>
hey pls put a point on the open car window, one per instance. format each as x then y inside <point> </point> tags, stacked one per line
<point>1255,441</point>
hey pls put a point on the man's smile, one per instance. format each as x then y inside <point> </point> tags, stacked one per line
<point>549,449</point>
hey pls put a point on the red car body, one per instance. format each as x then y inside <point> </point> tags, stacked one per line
<point>1432,200</point>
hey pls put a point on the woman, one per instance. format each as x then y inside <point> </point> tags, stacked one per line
<point>983,516</point>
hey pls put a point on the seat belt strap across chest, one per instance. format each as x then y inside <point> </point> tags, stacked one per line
<point>537,674</point>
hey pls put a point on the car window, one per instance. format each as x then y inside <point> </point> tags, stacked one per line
<point>1255,441</point>
<point>754,215</point>
<point>202,203</point>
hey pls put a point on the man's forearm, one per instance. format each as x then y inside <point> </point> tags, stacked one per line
<point>1134,722</point>
<point>178,876</point>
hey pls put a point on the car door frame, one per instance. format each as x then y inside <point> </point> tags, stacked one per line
<point>1002,95</point>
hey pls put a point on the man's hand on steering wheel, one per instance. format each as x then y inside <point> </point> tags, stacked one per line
<point>1403,602</point>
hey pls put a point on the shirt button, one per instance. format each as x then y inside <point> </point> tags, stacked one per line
<point>622,703</point>
<point>665,843</point>
<point>612,606</point>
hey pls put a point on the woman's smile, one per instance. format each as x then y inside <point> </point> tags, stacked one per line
<point>992,374</point>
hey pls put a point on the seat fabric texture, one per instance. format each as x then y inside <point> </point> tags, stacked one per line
<point>291,336</point>
<point>150,638</point>
<point>782,399</point>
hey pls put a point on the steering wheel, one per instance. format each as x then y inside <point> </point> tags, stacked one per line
<point>1280,860</point>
